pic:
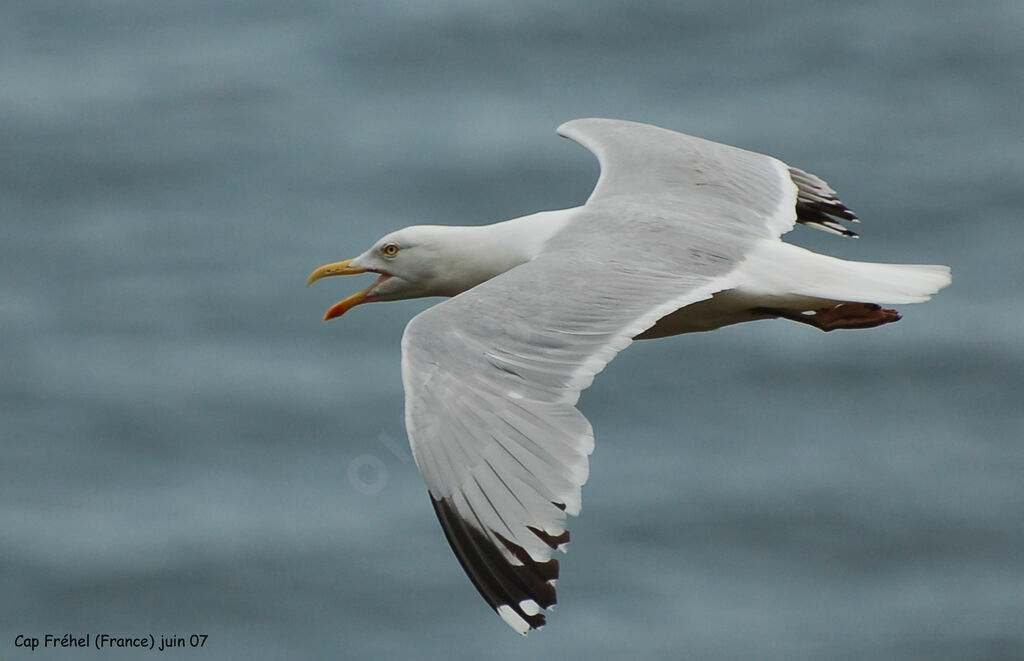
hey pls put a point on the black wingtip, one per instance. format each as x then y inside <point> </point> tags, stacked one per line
<point>818,206</point>
<point>516,592</point>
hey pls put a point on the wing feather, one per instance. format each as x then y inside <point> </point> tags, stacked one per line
<point>640,160</point>
<point>490,409</point>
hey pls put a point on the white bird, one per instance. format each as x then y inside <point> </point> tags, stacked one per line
<point>679,235</point>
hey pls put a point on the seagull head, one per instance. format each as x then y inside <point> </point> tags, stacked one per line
<point>418,261</point>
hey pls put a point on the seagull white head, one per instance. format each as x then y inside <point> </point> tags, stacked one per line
<point>423,260</point>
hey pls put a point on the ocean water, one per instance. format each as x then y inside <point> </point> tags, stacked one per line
<point>186,450</point>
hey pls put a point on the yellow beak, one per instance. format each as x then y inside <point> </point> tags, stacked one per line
<point>337,268</point>
<point>343,268</point>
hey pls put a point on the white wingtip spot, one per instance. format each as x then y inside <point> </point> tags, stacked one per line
<point>529,606</point>
<point>512,619</point>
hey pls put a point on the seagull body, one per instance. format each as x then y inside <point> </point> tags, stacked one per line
<point>679,235</point>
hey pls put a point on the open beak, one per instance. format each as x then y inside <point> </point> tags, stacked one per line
<point>343,268</point>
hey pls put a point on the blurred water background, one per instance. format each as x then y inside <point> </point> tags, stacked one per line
<point>186,448</point>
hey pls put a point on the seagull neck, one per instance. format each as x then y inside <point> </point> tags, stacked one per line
<point>526,236</point>
<point>486,251</point>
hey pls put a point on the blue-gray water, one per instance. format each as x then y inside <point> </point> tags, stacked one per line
<point>187,449</point>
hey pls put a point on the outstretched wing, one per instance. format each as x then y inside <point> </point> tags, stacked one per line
<point>644,161</point>
<point>492,377</point>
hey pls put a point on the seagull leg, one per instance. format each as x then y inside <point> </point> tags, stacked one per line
<point>843,315</point>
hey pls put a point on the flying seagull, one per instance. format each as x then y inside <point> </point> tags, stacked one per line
<point>679,235</point>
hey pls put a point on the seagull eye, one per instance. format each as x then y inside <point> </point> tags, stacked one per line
<point>389,249</point>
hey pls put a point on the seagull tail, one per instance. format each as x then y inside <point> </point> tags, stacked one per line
<point>782,268</point>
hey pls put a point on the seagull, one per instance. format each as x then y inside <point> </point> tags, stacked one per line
<point>679,235</point>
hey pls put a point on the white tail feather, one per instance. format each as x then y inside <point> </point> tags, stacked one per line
<point>780,269</point>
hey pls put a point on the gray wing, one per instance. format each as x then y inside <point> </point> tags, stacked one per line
<point>640,161</point>
<point>492,377</point>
